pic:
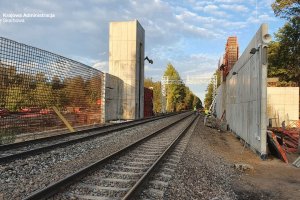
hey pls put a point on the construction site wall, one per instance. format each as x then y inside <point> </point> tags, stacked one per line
<point>112,106</point>
<point>282,105</point>
<point>221,101</point>
<point>246,94</point>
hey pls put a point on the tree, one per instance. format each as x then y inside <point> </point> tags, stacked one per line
<point>75,91</point>
<point>189,99</point>
<point>284,53</point>
<point>209,95</point>
<point>42,96</point>
<point>286,8</point>
<point>14,98</point>
<point>179,96</point>
<point>210,89</point>
<point>93,86</point>
<point>284,56</point>
<point>175,91</point>
<point>197,102</point>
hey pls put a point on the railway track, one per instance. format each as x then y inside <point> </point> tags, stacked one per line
<point>157,182</point>
<point>28,148</point>
<point>121,174</point>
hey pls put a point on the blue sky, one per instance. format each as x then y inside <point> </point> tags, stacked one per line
<point>190,34</point>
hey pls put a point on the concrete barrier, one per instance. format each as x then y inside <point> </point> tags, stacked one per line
<point>245,100</point>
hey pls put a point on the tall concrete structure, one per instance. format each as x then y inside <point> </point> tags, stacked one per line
<point>245,92</point>
<point>126,61</point>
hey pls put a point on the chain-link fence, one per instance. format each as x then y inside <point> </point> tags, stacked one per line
<point>35,83</point>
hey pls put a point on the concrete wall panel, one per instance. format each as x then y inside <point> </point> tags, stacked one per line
<point>126,61</point>
<point>113,104</point>
<point>246,95</point>
<point>282,104</point>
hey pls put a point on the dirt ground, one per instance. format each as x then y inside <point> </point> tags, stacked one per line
<point>206,171</point>
<point>269,179</point>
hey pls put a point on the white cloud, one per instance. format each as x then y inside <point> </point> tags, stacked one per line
<point>235,7</point>
<point>176,31</point>
<point>201,32</point>
<point>216,25</point>
<point>263,18</point>
<point>102,66</point>
<point>210,8</point>
<point>229,1</point>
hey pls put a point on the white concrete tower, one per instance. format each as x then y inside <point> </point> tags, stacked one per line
<point>126,61</point>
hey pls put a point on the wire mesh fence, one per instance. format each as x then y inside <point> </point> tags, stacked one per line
<point>34,83</point>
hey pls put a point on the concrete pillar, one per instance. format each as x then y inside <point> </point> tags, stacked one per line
<point>126,61</point>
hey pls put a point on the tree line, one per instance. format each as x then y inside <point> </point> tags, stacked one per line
<point>178,96</point>
<point>19,89</point>
<point>284,51</point>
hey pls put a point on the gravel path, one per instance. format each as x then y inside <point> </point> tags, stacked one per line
<point>22,177</point>
<point>201,173</point>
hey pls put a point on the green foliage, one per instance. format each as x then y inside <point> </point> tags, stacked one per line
<point>14,98</point>
<point>284,53</point>
<point>189,98</point>
<point>42,95</point>
<point>175,91</point>
<point>286,8</point>
<point>210,88</point>
<point>93,91</point>
<point>209,95</point>
<point>179,96</point>
<point>26,90</point>
<point>197,102</point>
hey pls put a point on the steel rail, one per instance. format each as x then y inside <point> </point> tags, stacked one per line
<point>35,151</point>
<point>139,184</point>
<point>72,178</point>
<point>44,139</point>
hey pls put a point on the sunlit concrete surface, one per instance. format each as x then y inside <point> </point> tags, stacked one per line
<point>283,105</point>
<point>112,103</point>
<point>246,94</point>
<point>126,61</point>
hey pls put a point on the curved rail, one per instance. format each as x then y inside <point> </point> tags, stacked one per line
<point>69,180</point>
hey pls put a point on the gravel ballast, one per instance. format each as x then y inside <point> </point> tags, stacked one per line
<point>201,173</point>
<point>22,177</point>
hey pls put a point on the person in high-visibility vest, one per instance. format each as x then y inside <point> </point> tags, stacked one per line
<point>195,110</point>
